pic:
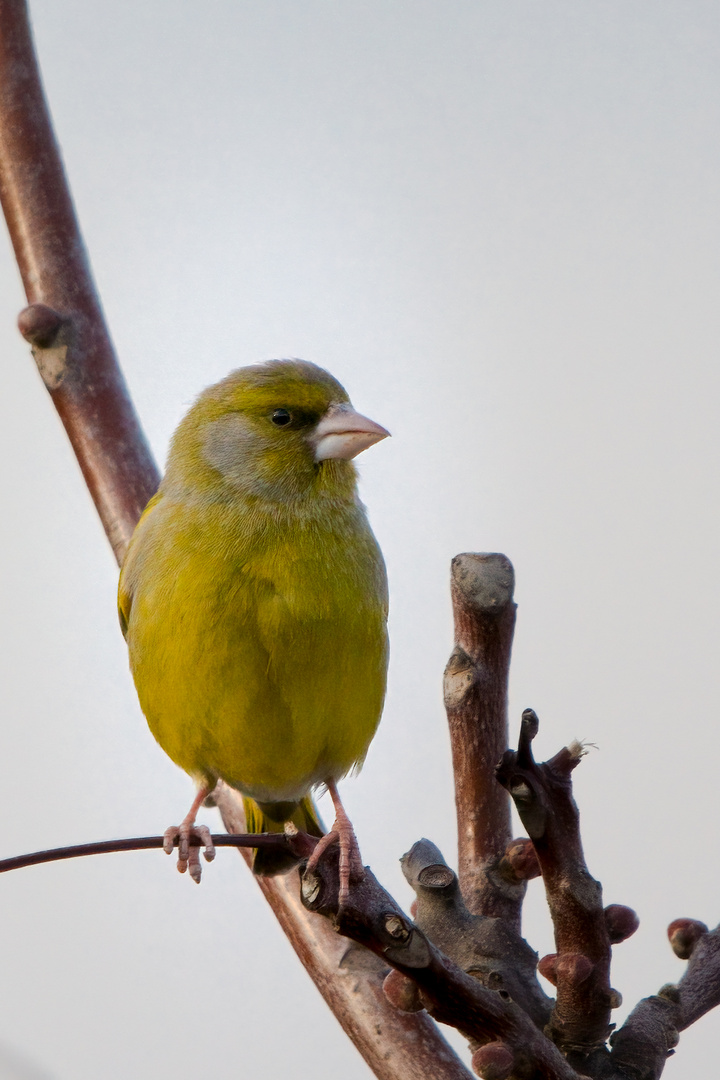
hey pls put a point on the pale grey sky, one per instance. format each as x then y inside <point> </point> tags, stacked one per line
<point>497,223</point>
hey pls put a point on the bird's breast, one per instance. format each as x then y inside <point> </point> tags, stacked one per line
<point>260,658</point>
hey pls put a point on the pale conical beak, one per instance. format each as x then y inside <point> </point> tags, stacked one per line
<point>343,434</point>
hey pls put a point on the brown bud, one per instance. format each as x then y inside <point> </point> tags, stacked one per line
<point>520,857</point>
<point>402,992</point>
<point>494,1061</point>
<point>548,968</point>
<point>413,909</point>
<point>621,922</point>
<point>614,999</point>
<point>684,935</point>
<point>573,968</point>
<point>39,324</point>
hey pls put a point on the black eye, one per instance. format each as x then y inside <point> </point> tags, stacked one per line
<point>281,418</point>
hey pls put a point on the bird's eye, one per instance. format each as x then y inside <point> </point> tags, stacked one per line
<point>281,418</point>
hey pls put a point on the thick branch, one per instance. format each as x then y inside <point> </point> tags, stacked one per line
<point>475,686</point>
<point>581,969</point>
<point>64,323</point>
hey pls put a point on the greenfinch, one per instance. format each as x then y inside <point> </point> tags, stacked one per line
<point>253,598</point>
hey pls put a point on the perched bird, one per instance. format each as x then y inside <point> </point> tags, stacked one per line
<point>253,598</point>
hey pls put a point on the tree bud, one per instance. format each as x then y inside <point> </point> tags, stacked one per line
<point>621,922</point>
<point>684,935</point>
<point>402,992</point>
<point>494,1061</point>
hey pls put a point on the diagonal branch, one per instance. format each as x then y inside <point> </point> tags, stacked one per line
<point>699,987</point>
<point>64,322</point>
<point>652,1030</point>
<point>641,1047</point>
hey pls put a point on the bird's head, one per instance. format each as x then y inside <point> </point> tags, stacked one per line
<point>277,431</point>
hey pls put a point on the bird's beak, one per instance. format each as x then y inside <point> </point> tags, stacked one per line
<point>342,434</point>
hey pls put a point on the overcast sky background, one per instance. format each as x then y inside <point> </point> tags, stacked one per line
<point>497,224</point>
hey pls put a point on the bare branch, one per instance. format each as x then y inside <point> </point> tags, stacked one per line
<point>647,1038</point>
<point>64,323</point>
<point>483,1015</point>
<point>700,985</point>
<point>651,1032</point>
<point>476,702</point>
<point>297,845</point>
<point>581,968</point>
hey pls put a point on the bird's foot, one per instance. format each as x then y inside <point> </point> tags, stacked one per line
<point>184,834</point>
<point>351,869</point>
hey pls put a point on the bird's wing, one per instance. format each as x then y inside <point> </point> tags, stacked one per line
<point>125,586</point>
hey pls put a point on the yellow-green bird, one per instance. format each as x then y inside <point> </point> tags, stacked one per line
<point>253,598</point>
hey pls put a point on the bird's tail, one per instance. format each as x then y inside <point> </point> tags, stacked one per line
<point>271,817</point>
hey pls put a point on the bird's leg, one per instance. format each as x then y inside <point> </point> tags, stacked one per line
<point>187,829</point>
<point>342,833</point>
